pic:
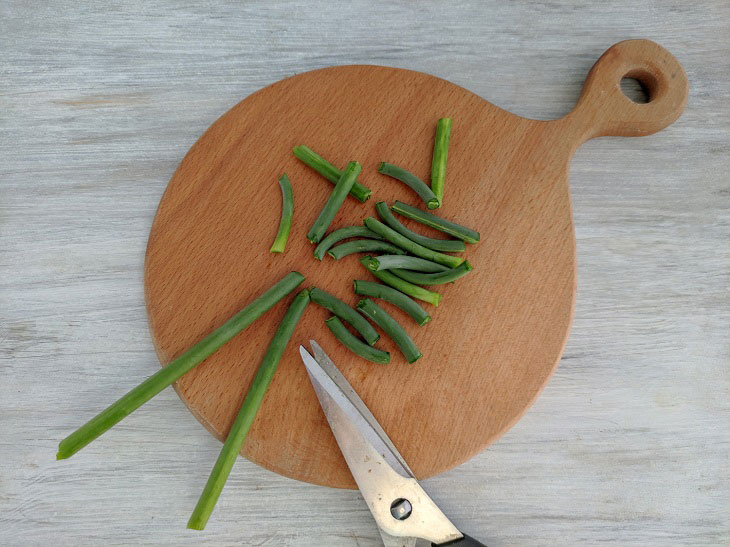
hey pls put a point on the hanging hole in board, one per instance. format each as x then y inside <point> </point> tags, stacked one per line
<point>635,90</point>
<point>639,86</point>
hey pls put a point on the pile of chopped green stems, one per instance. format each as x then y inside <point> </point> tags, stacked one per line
<point>406,263</point>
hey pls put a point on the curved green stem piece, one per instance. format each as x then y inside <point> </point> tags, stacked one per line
<point>441,224</point>
<point>440,154</point>
<point>344,312</point>
<point>412,181</point>
<point>390,262</point>
<point>391,327</point>
<point>343,233</point>
<point>287,212</point>
<point>397,298</point>
<point>444,245</point>
<point>354,344</point>
<point>438,278</point>
<point>363,246</point>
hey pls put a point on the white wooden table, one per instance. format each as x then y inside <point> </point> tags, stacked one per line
<point>99,102</point>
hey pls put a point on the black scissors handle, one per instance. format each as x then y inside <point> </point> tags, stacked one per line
<point>466,541</point>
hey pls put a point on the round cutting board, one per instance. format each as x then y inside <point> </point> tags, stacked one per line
<point>499,332</point>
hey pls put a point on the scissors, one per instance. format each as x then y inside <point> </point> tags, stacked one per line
<point>401,508</point>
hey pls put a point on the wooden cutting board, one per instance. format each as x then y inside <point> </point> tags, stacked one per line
<point>498,334</point>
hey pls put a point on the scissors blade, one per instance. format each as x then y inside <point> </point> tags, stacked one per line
<point>384,479</point>
<point>337,387</point>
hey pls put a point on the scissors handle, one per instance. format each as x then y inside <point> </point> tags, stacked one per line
<point>466,541</point>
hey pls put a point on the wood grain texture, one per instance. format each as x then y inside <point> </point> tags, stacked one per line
<point>628,443</point>
<point>497,336</point>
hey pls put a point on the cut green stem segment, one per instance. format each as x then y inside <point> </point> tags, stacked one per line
<point>364,246</point>
<point>397,298</point>
<point>344,312</point>
<point>438,278</point>
<point>391,327</point>
<point>329,171</point>
<point>334,202</point>
<point>444,245</point>
<point>355,345</point>
<point>441,224</point>
<point>287,212</point>
<point>247,413</point>
<point>411,246</point>
<point>440,154</point>
<point>411,180</point>
<point>402,285</point>
<point>173,371</point>
<point>343,233</point>
<point>389,262</point>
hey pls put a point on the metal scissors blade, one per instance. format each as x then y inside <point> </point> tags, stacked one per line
<point>401,508</point>
<point>327,375</point>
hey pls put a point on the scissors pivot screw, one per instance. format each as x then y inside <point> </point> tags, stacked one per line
<point>401,509</point>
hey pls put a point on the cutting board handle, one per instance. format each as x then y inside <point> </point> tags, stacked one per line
<point>603,109</point>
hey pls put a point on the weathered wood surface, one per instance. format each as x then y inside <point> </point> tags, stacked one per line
<point>628,442</point>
